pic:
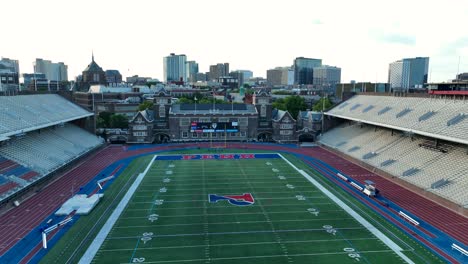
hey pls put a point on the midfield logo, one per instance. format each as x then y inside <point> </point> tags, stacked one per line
<point>239,200</point>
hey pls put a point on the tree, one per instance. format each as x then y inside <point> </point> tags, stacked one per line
<point>145,105</point>
<point>105,119</point>
<point>324,103</point>
<point>118,121</point>
<point>100,123</point>
<point>294,104</point>
<point>279,104</point>
<point>185,100</point>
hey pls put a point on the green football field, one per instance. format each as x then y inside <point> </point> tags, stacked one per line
<point>170,219</point>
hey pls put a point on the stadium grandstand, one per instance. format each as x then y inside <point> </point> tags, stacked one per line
<point>422,141</point>
<point>39,134</point>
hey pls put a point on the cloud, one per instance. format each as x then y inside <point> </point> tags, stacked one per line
<point>317,22</point>
<point>393,38</point>
<point>455,47</point>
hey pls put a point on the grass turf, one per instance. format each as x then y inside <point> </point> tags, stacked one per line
<point>277,228</point>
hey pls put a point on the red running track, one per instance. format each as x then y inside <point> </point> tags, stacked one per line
<point>438,216</point>
<point>18,222</point>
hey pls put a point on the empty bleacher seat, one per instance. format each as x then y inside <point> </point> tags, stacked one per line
<point>441,172</point>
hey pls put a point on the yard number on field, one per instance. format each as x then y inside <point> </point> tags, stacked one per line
<point>352,253</point>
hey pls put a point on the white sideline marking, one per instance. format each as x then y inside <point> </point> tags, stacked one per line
<point>101,236</point>
<point>387,241</point>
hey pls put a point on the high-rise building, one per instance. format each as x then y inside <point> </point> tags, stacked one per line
<point>327,76</point>
<point>241,75</point>
<point>462,77</point>
<point>30,78</point>
<point>408,73</point>
<point>304,70</point>
<point>218,70</point>
<point>53,71</point>
<point>9,75</point>
<point>174,68</point>
<point>280,76</point>
<point>191,70</point>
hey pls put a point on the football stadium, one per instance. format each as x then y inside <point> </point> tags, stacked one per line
<point>385,182</point>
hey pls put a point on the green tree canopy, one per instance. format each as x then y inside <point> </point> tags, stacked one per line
<point>104,119</point>
<point>279,104</point>
<point>323,103</point>
<point>145,105</point>
<point>118,121</point>
<point>293,104</point>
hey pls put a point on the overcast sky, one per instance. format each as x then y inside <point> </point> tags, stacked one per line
<point>133,36</point>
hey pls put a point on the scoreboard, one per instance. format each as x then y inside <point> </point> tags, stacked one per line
<point>214,127</point>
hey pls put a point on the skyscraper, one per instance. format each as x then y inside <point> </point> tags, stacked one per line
<point>408,73</point>
<point>280,76</point>
<point>327,75</point>
<point>304,70</point>
<point>218,70</point>
<point>174,68</point>
<point>241,75</point>
<point>53,71</point>
<point>191,70</point>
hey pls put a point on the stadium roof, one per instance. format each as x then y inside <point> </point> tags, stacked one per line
<point>24,113</point>
<point>445,119</point>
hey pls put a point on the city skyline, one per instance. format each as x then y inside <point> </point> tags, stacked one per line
<point>358,37</point>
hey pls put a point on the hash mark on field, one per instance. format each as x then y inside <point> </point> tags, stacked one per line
<point>246,244</point>
<point>247,232</point>
<point>267,256</point>
<point>273,229</point>
<point>233,214</point>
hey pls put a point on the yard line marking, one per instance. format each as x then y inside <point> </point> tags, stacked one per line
<point>250,213</point>
<point>224,223</point>
<point>245,244</point>
<point>217,188</point>
<point>218,206</point>
<point>392,245</point>
<point>244,232</point>
<point>93,248</point>
<point>203,195</point>
<point>266,256</point>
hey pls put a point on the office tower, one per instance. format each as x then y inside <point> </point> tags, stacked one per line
<point>53,71</point>
<point>191,70</point>
<point>280,76</point>
<point>327,75</point>
<point>408,73</point>
<point>218,70</point>
<point>174,68</point>
<point>304,70</point>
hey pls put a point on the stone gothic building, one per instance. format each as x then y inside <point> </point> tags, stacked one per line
<point>168,122</point>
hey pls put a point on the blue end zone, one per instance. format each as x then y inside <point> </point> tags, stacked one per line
<point>218,156</point>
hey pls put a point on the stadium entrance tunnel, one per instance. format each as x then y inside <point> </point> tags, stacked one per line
<point>306,137</point>
<point>265,137</point>
<point>162,138</point>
